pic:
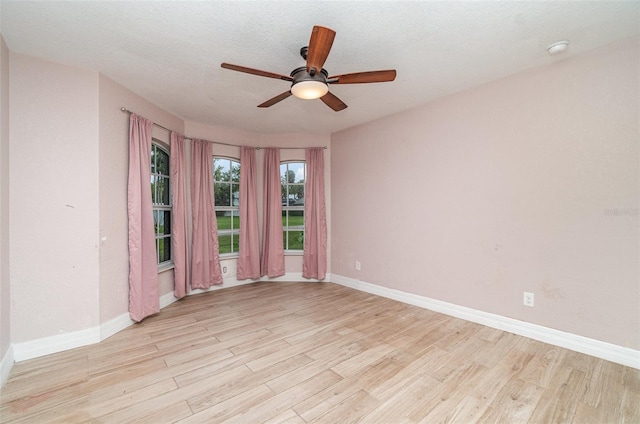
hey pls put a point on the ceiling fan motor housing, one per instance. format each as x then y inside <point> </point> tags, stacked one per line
<point>300,74</point>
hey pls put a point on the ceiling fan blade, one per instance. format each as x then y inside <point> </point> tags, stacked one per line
<point>333,102</point>
<point>276,99</point>
<point>255,72</point>
<point>319,47</point>
<point>363,77</point>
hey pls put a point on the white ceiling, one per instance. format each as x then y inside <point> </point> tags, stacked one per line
<point>170,52</point>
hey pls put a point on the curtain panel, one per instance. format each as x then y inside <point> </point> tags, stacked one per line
<point>179,226</point>
<point>205,261</point>
<point>249,251</point>
<point>314,257</point>
<point>144,297</point>
<point>272,261</point>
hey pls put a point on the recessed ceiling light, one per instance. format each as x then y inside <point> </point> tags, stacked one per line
<point>558,47</point>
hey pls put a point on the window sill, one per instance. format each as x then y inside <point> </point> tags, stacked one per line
<point>293,253</point>
<point>224,256</point>
<point>166,266</point>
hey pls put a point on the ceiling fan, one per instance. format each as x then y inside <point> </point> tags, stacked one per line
<point>311,81</point>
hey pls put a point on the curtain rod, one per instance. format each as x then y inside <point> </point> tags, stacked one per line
<point>124,109</point>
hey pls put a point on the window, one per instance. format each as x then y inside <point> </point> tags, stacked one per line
<point>292,176</point>
<point>226,186</point>
<point>161,203</point>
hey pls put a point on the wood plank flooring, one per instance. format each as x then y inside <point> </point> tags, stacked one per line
<point>316,353</point>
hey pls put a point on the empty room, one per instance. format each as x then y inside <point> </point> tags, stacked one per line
<point>319,211</point>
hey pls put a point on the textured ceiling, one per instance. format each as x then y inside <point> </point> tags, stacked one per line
<point>170,52</point>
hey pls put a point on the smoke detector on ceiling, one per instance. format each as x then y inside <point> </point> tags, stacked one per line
<point>558,47</point>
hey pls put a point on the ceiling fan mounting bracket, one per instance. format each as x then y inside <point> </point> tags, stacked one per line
<point>303,52</point>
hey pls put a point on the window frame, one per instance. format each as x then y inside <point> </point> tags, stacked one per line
<point>161,207</point>
<point>287,208</point>
<point>235,210</point>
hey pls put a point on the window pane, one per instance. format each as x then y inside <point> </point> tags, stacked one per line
<point>167,222</point>
<point>164,249</point>
<point>225,244</point>
<point>162,191</point>
<point>153,189</point>
<point>223,219</point>
<point>160,243</point>
<point>296,193</point>
<point>295,173</point>
<point>155,221</point>
<point>221,169</point>
<point>235,171</point>
<point>296,219</point>
<point>162,162</point>
<point>159,221</point>
<point>222,194</point>
<point>235,195</point>
<point>236,242</point>
<point>226,201</point>
<point>153,159</point>
<point>295,240</point>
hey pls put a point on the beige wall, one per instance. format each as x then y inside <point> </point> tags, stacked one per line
<point>54,190</point>
<point>527,184</point>
<point>5,287</point>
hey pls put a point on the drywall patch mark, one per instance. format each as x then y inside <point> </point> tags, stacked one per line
<point>622,212</point>
<point>552,293</point>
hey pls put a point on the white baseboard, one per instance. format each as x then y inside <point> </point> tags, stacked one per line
<point>115,325</point>
<point>233,282</point>
<point>608,351</point>
<point>123,321</point>
<point>5,366</point>
<point>53,344</point>
<point>47,345</point>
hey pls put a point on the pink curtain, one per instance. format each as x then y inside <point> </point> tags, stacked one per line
<point>179,227</point>
<point>144,293</point>
<point>205,262</point>
<point>314,257</point>
<point>272,262</point>
<point>249,251</point>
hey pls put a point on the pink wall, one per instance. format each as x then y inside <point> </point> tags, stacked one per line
<point>5,289</point>
<point>54,190</point>
<point>114,161</point>
<point>530,183</point>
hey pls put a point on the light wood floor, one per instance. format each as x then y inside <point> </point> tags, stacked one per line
<point>310,352</point>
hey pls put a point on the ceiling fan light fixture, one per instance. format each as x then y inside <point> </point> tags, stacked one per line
<point>309,90</point>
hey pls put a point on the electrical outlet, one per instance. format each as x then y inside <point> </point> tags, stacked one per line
<point>224,269</point>
<point>358,266</point>
<point>528,299</point>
